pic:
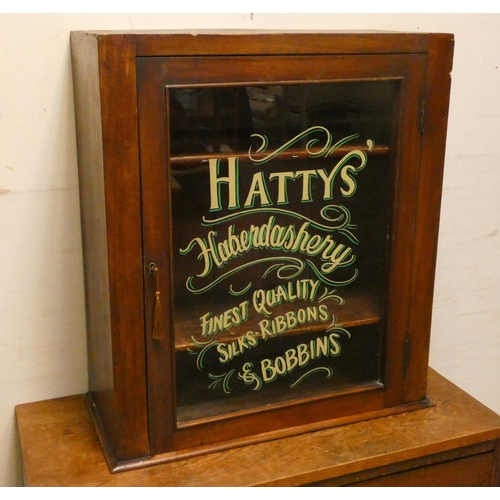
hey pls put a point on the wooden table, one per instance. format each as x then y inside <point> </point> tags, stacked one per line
<point>454,443</point>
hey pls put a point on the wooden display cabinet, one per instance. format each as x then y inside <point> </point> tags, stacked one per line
<point>260,216</point>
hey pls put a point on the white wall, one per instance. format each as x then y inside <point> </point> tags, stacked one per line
<point>42,338</point>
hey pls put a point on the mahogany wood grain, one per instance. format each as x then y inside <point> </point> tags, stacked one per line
<point>111,221</point>
<point>121,80</point>
<point>276,42</point>
<point>469,471</point>
<point>157,248</point>
<point>435,105</point>
<point>433,446</point>
<point>93,220</point>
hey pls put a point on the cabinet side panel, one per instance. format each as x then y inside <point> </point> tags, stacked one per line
<point>93,215</point>
<point>110,201</point>
<point>434,127</point>
<point>120,149</point>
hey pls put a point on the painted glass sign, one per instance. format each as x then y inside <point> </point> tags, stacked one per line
<point>280,224</point>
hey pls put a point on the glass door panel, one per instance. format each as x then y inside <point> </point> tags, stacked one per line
<point>280,217</point>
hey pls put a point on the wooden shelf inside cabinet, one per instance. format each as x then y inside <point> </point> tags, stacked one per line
<point>178,163</point>
<point>353,308</point>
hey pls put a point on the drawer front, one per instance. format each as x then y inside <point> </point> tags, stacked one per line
<point>469,471</point>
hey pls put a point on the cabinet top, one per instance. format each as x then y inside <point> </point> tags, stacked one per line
<point>199,42</point>
<point>255,32</point>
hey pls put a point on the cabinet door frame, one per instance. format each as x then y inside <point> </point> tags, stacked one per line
<point>155,77</point>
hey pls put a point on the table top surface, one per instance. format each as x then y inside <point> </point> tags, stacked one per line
<point>60,446</point>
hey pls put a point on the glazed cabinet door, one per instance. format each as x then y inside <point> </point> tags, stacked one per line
<point>278,203</point>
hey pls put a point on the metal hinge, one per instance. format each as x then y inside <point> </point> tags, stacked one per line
<point>423,102</point>
<point>406,356</point>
